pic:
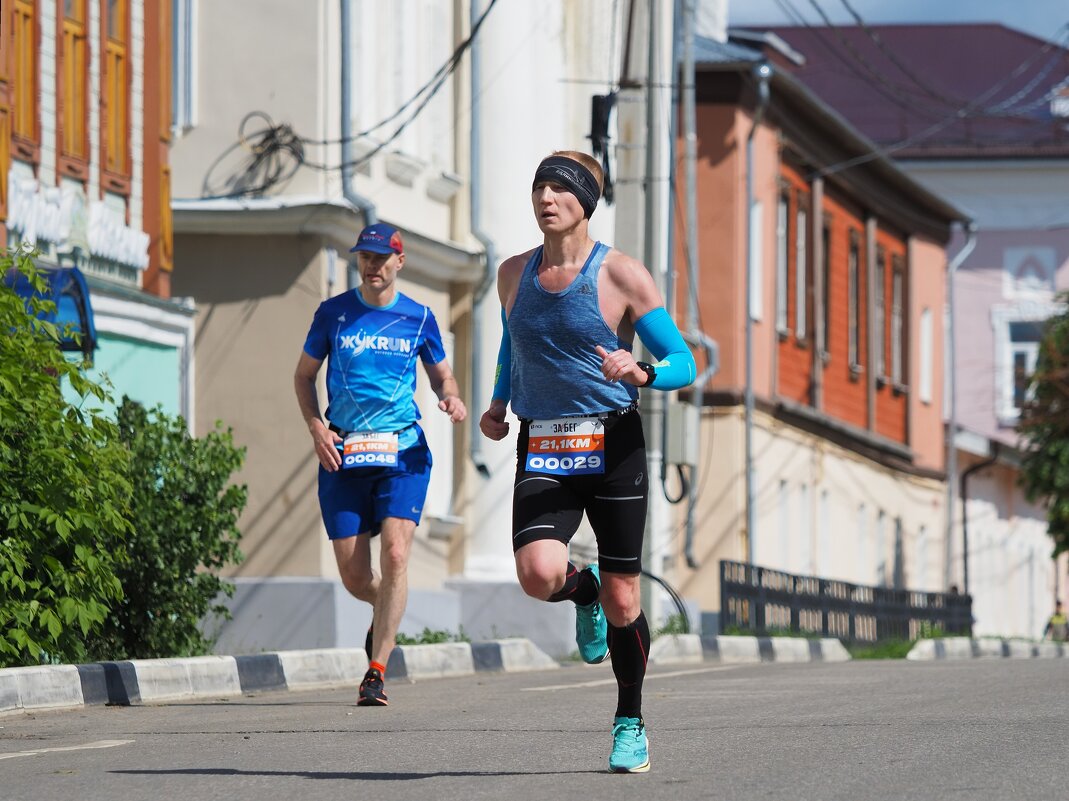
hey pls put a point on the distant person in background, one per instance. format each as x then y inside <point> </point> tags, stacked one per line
<point>1058,626</point>
<point>374,463</point>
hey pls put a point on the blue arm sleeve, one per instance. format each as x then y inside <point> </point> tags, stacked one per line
<point>675,365</point>
<point>503,375</point>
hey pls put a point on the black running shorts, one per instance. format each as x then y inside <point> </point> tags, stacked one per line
<point>550,507</point>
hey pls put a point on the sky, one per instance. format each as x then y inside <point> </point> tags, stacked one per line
<point>1041,18</point>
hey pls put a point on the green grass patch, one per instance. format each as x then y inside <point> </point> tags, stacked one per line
<point>884,649</point>
<point>432,637</point>
<point>673,624</point>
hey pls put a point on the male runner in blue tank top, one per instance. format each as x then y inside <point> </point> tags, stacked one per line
<point>373,456</point>
<point>571,309</point>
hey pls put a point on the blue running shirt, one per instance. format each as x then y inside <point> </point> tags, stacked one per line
<point>371,372</point>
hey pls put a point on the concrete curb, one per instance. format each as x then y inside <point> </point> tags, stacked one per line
<point>965,648</point>
<point>677,648</point>
<point>141,681</point>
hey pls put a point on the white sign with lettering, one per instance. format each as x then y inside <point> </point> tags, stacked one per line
<point>55,216</point>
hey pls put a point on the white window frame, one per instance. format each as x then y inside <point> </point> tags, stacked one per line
<point>757,274</point>
<point>801,223</point>
<point>184,66</point>
<point>824,534</point>
<point>880,570</point>
<point>863,567</point>
<point>927,354</point>
<point>898,283</point>
<point>782,266</point>
<point>920,559</point>
<point>784,503</point>
<point>879,312</point>
<point>1002,316</point>
<point>853,309</point>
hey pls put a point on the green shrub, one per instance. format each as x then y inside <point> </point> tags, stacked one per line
<point>184,513</point>
<point>882,649</point>
<point>432,637</point>
<point>63,491</point>
<point>673,624</point>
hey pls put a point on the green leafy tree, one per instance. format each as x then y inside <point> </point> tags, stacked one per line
<point>63,490</point>
<point>184,512</point>
<point>1044,431</point>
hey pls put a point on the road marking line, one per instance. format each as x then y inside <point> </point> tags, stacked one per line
<point>649,677</point>
<point>87,746</point>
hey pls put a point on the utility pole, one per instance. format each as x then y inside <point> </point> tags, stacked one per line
<point>655,223</point>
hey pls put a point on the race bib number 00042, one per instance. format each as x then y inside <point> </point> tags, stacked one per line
<point>369,449</point>
<point>571,446</point>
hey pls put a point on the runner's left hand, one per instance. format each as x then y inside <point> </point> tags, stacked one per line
<point>620,366</point>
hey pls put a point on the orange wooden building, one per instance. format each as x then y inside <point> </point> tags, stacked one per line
<point>847,298</point>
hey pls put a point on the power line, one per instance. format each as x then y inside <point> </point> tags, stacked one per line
<point>433,84</point>
<point>894,59</point>
<point>429,90</point>
<point>889,91</point>
<point>278,151</point>
<point>927,89</point>
<point>901,96</point>
<point>958,115</point>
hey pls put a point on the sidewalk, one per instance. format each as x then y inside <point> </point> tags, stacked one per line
<point>145,681</point>
<point>965,648</point>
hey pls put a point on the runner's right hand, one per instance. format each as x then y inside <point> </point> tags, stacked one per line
<point>492,423</point>
<point>326,444</point>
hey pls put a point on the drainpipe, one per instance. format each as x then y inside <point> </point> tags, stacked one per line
<point>762,72</point>
<point>476,189</point>
<point>362,204</point>
<point>695,335</point>
<point>952,424</point>
<point>670,234</point>
<point>965,513</point>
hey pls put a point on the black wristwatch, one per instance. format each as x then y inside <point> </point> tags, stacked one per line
<point>649,370</point>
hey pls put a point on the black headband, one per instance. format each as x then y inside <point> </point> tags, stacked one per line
<point>572,175</point>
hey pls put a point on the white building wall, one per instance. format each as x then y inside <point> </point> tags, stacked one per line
<point>800,474</point>
<point>1019,206</point>
<point>238,73</point>
<point>1011,574</point>
<point>835,500</point>
<point>540,65</point>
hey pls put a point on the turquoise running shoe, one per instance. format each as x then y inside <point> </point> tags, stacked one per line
<point>591,628</point>
<point>630,746</point>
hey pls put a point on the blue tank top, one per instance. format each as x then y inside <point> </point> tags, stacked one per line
<point>555,371</point>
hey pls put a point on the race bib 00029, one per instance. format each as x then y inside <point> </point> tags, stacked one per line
<point>369,449</point>
<point>570,446</point>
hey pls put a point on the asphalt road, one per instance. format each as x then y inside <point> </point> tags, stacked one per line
<point>976,729</point>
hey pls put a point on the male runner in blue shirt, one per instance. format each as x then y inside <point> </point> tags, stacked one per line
<point>571,310</point>
<point>373,456</point>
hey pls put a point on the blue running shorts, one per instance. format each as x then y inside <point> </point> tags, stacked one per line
<point>357,500</point>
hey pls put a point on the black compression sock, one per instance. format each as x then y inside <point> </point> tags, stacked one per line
<point>629,647</point>
<point>579,587</point>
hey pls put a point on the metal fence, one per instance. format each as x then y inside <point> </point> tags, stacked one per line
<point>764,601</point>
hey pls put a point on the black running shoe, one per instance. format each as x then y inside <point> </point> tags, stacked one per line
<point>371,693</point>
<point>367,641</point>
